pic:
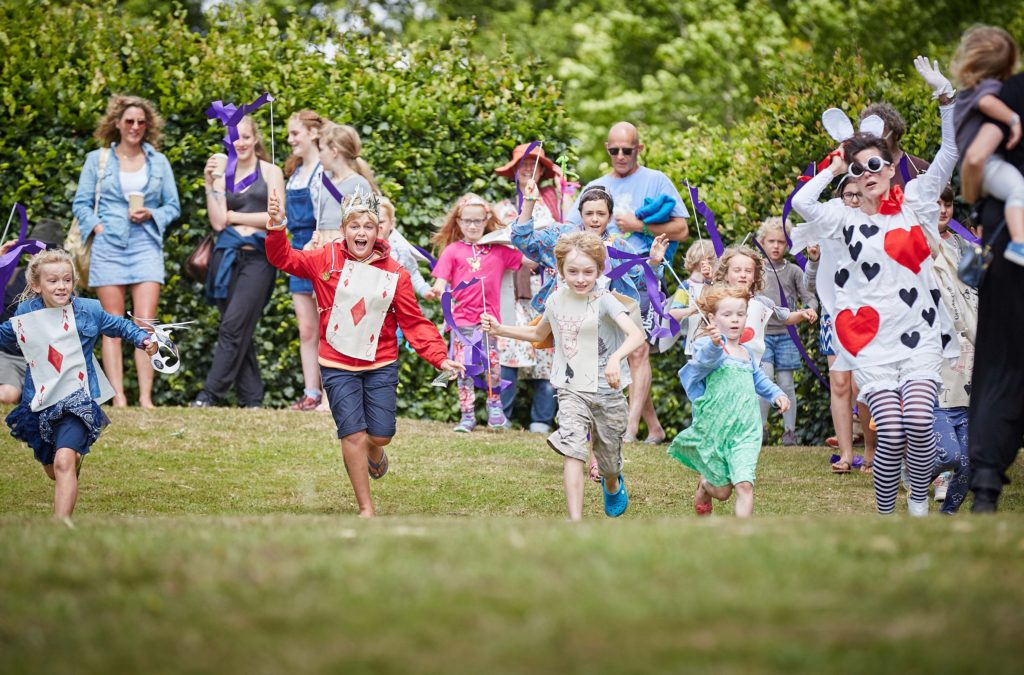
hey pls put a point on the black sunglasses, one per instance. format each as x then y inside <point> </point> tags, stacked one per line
<point>614,152</point>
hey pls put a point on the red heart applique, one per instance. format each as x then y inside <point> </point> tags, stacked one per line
<point>748,335</point>
<point>856,329</point>
<point>907,247</point>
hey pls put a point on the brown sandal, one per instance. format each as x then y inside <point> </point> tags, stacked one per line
<point>842,466</point>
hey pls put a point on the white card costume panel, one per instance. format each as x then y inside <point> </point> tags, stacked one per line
<point>49,340</point>
<point>758,314</point>
<point>361,301</point>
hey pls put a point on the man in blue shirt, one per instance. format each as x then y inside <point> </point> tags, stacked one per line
<point>629,185</point>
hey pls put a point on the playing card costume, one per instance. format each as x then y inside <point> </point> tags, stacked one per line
<point>63,385</point>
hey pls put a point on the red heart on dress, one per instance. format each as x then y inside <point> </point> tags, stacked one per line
<point>748,335</point>
<point>907,247</point>
<point>856,329</point>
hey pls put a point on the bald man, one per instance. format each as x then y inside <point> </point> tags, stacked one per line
<point>630,184</point>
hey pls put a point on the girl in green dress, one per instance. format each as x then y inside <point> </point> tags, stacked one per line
<point>724,441</point>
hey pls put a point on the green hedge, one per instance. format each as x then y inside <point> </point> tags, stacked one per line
<point>434,119</point>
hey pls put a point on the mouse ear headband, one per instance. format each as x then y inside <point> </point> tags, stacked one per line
<point>839,127</point>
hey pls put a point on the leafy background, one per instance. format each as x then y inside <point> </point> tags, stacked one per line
<point>727,94</point>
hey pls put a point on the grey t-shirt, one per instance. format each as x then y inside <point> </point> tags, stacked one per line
<point>328,207</point>
<point>967,118</point>
<point>570,369</point>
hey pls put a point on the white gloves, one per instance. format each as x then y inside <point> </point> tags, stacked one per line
<point>929,71</point>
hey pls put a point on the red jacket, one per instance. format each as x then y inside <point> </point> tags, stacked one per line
<point>404,311</point>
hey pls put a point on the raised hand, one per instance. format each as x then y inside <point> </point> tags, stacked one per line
<point>933,77</point>
<point>531,192</point>
<point>716,335</point>
<point>274,208</point>
<point>658,247</point>
<point>706,270</point>
<point>813,253</point>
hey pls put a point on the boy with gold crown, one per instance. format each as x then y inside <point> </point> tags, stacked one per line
<point>363,295</point>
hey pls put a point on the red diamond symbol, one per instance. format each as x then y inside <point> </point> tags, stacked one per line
<point>81,376</point>
<point>358,312</point>
<point>65,326</point>
<point>55,358</point>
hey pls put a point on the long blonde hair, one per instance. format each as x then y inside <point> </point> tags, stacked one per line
<point>984,53</point>
<point>313,122</point>
<point>35,263</point>
<point>344,140</point>
<point>449,231</point>
<point>107,131</point>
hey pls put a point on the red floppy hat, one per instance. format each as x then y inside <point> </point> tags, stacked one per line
<point>509,170</point>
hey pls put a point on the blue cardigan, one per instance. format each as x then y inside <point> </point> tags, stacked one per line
<point>92,322</point>
<point>708,357</point>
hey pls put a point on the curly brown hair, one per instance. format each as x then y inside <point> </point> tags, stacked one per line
<point>107,131</point>
<point>731,252</point>
<point>587,243</point>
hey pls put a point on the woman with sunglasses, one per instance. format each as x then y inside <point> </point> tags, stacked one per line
<point>126,198</point>
<point>889,320</point>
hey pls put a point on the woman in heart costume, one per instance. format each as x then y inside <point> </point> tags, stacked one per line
<point>363,296</point>
<point>891,325</point>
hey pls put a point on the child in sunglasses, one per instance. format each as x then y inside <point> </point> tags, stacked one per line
<point>463,259</point>
<point>986,57</point>
<point>894,330</point>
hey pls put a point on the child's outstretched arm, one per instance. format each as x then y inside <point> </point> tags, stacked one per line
<point>120,327</point>
<point>800,315</point>
<point>634,339</point>
<point>995,109</point>
<point>526,333</point>
<point>770,391</point>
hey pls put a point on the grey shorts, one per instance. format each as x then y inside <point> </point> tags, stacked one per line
<point>601,417</point>
<point>12,370</point>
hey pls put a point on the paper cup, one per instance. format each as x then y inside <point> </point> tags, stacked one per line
<point>221,166</point>
<point>136,201</point>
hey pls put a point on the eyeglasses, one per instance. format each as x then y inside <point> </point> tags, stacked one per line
<point>615,152</point>
<point>874,165</point>
<point>472,222</point>
<point>135,123</point>
<point>851,196</point>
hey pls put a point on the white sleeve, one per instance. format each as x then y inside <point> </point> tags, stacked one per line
<point>824,221</point>
<point>923,192</point>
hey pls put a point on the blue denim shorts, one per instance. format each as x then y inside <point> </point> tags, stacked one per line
<point>781,352</point>
<point>297,284</point>
<point>363,400</point>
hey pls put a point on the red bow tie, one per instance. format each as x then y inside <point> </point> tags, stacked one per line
<point>893,203</point>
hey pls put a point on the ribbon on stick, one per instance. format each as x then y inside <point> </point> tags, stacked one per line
<point>231,115</point>
<point>657,298</point>
<point>519,193</point>
<point>710,224</point>
<point>431,260</point>
<point>9,260</point>
<point>474,357</point>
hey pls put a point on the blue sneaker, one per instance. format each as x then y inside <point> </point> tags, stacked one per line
<point>615,504</point>
<point>1015,253</point>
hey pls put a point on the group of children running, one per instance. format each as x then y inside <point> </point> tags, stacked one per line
<point>879,251</point>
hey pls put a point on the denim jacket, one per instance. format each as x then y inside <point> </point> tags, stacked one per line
<point>161,197</point>
<point>92,322</point>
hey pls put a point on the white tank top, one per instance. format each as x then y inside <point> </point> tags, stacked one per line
<point>134,181</point>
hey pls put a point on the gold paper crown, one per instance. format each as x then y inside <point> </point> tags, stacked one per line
<point>359,202</point>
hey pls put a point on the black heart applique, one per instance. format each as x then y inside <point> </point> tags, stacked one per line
<point>842,276</point>
<point>936,294</point>
<point>870,270</point>
<point>929,315</point>
<point>910,340</point>
<point>855,249</point>
<point>908,296</point>
<point>967,388</point>
<point>848,233</point>
<point>946,339</point>
<point>569,374</point>
<point>869,230</point>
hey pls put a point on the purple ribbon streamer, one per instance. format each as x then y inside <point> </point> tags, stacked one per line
<point>788,206</point>
<point>955,225</point>
<point>231,115</point>
<point>905,168</point>
<point>476,360</point>
<point>334,192</point>
<point>431,260</point>
<point>9,260</point>
<point>793,335</point>
<point>515,176</point>
<point>654,293</point>
<point>709,220</point>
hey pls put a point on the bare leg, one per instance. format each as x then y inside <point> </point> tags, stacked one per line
<point>309,339</point>
<point>744,500</point>
<point>572,476</point>
<point>721,493</point>
<point>145,297</point>
<point>870,436</point>
<point>354,450</point>
<point>654,429</point>
<point>842,410</point>
<point>9,394</point>
<point>639,391</point>
<point>112,300</point>
<point>65,494</point>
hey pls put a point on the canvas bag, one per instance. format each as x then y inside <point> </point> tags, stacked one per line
<point>80,251</point>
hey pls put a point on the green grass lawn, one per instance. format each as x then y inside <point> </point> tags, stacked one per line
<point>223,541</point>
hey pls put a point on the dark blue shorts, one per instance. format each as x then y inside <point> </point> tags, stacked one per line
<point>363,400</point>
<point>781,352</point>
<point>72,433</point>
<point>297,284</point>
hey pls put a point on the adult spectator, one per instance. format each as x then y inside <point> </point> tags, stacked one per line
<point>630,184</point>
<point>137,200</point>
<point>908,167</point>
<point>12,363</point>
<point>996,417</point>
<point>241,279</point>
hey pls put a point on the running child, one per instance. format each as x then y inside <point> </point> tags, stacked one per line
<point>723,381</point>
<point>463,259</point>
<point>593,333</point>
<point>58,416</point>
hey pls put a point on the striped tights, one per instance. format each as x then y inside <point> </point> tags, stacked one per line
<point>904,419</point>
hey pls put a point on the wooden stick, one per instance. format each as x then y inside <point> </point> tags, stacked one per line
<point>487,343</point>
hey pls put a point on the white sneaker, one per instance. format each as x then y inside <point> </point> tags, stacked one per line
<point>917,509</point>
<point>539,428</point>
<point>941,485</point>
